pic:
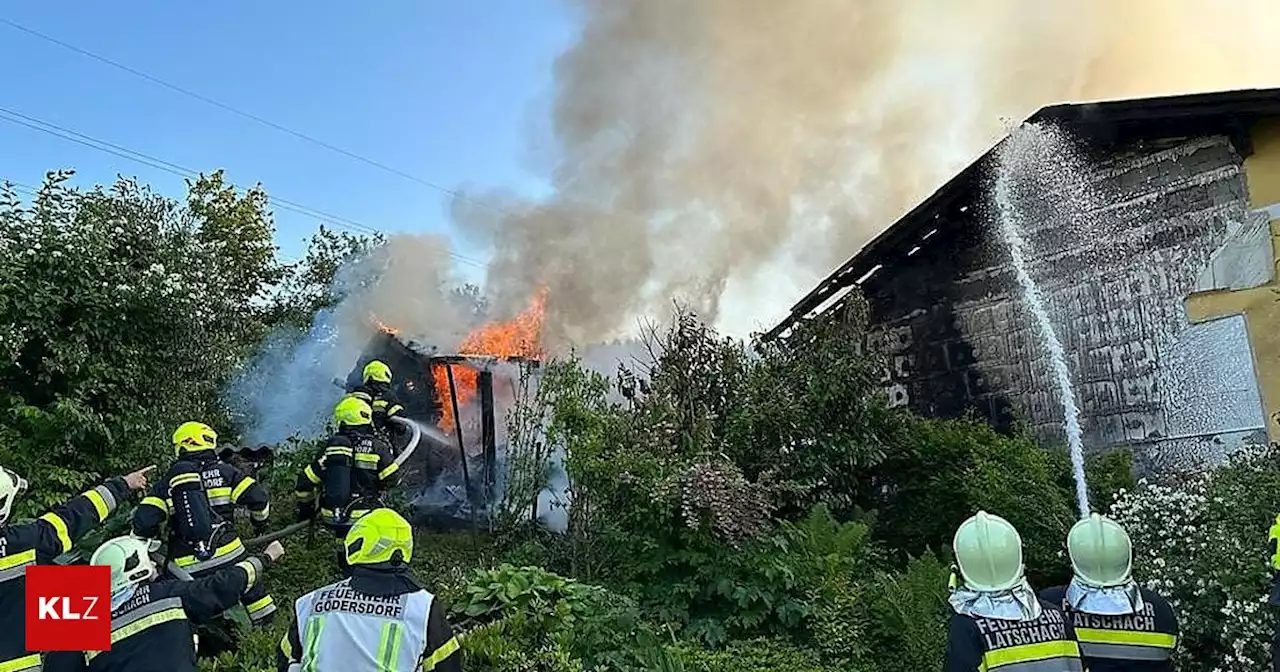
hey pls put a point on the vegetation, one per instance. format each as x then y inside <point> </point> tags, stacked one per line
<point>739,510</point>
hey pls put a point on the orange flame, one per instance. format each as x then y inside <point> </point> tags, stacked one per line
<point>382,326</point>
<point>521,336</point>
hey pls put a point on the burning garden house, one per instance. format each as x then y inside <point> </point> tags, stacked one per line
<point>1166,304</point>
<point>460,400</point>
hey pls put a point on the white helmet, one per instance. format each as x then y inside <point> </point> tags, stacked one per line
<point>989,552</point>
<point>1101,553</point>
<point>129,559</point>
<point>11,486</point>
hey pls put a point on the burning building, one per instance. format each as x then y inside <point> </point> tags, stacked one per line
<point>459,399</point>
<point>1168,312</point>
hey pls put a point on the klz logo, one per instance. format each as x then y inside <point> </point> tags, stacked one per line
<point>68,608</point>
<point>49,608</point>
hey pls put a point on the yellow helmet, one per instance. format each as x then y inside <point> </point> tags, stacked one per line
<point>193,437</point>
<point>377,372</point>
<point>382,535</point>
<point>353,412</point>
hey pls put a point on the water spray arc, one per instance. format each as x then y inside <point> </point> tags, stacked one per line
<point>1009,224</point>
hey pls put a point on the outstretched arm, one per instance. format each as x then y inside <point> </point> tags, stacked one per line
<point>65,524</point>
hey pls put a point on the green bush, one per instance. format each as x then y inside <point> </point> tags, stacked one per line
<point>508,611</point>
<point>754,655</point>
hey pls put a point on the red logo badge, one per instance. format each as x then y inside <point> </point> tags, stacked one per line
<point>68,608</point>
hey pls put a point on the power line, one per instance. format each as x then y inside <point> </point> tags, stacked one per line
<point>247,115</point>
<point>15,117</point>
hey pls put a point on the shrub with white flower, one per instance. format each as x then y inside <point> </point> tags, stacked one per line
<point>1200,540</point>
<point>123,313</point>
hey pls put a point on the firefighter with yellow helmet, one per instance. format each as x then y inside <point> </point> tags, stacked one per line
<point>375,390</point>
<point>998,622</point>
<point>377,617</point>
<point>198,497</point>
<point>1121,626</point>
<point>354,471</point>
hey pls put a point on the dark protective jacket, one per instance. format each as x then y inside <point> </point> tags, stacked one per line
<point>356,466</point>
<point>199,538</point>
<point>1142,642</point>
<point>381,399</point>
<point>372,593</point>
<point>38,543</point>
<point>154,629</point>
<point>1046,644</point>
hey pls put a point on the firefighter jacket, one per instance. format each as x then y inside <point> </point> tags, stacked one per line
<point>38,543</point>
<point>1043,644</point>
<point>1141,642</point>
<point>352,474</point>
<point>199,539</point>
<point>153,625</point>
<point>227,487</point>
<point>381,399</point>
<point>376,619</point>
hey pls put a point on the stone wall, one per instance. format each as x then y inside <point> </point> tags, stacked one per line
<point>958,338</point>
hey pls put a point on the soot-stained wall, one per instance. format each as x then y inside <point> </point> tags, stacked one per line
<point>958,337</point>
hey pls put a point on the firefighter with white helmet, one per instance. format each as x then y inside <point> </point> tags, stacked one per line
<point>40,541</point>
<point>153,619</point>
<point>998,621</point>
<point>1121,626</point>
<point>377,617</point>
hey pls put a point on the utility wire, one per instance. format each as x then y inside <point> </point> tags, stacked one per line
<point>247,115</point>
<point>15,117</point>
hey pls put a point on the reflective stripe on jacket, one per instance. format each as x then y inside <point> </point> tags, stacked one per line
<point>1140,642</point>
<point>1044,644</point>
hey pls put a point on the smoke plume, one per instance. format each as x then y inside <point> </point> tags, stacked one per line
<point>732,152</point>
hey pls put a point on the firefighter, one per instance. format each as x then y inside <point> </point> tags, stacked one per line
<point>153,619</point>
<point>352,474</point>
<point>1121,626</point>
<point>375,390</point>
<point>1273,541</point>
<point>200,495</point>
<point>999,622</point>
<point>38,543</point>
<point>376,617</point>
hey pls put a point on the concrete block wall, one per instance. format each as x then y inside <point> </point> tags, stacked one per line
<point>1170,218</point>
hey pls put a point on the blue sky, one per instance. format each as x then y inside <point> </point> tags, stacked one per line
<point>444,91</point>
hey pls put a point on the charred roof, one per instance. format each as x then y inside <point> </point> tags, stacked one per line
<point>1100,124</point>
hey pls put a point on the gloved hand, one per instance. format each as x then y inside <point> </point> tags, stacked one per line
<point>203,551</point>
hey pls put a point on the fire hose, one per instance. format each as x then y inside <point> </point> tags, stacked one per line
<point>403,457</point>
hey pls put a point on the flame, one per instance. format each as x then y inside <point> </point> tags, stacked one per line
<point>382,326</point>
<point>521,336</point>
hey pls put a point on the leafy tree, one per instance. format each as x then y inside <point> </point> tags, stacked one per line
<point>124,312</point>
